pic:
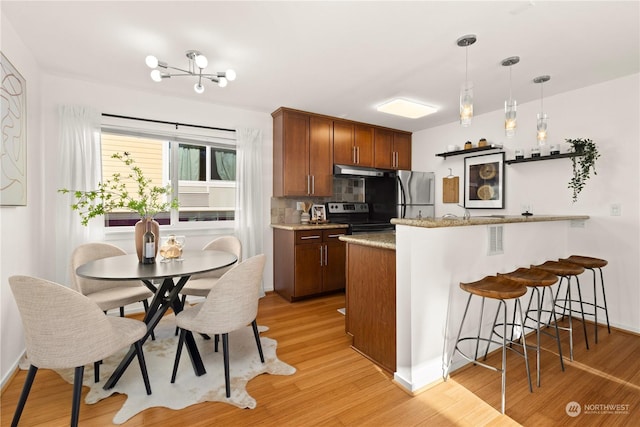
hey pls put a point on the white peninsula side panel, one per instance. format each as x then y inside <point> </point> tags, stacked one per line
<point>431,263</point>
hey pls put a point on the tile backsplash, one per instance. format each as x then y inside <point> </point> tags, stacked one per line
<point>283,209</point>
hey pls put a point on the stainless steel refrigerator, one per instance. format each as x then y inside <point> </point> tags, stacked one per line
<point>415,194</point>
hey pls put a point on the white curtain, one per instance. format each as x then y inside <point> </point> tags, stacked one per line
<point>249,215</point>
<point>79,164</point>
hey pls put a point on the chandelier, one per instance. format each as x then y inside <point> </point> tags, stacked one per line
<point>466,92</point>
<point>197,63</point>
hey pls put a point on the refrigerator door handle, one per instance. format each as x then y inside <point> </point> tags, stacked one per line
<point>403,198</point>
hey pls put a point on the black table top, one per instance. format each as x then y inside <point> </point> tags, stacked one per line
<point>127,267</point>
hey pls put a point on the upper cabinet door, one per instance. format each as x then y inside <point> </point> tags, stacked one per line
<point>402,150</point>
<point>363,142</point>
<point>343,148</point>
<point>383,156</point>
<point>291,154</point>
<point>321,156</point>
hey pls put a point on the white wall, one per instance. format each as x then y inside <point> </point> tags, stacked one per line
<point>608,114</point>
<point>21,228</point>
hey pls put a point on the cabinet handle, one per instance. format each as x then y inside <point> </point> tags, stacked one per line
<point>308,184</point>
<point>321,247</point>
<point>309,237</point>
<point>326,252</point>
<point>313,184</point>
<point>353,154</point>
<point>335,235</point>
<point>358,155</point>
<point>395,159</point>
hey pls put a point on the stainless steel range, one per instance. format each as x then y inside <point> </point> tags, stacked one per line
<point>357,216</point>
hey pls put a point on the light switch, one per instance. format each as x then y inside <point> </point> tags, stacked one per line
<point>616,209</point>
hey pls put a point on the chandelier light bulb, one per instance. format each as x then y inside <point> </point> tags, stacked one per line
<point>151,61</point>
<point>222,82</point>
<point>156,76</point>
<point>230,75</point>
<point>201,61</point>
<point>198,88</point>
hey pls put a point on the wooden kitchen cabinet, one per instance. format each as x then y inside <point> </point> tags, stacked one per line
<point>371,303</point>
<point>392,150</point>
<point>302,154</point>
<point>308,262</point>
<point>352,144</point>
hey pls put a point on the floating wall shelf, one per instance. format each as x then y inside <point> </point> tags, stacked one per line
<point>469,150</point>
<point>549,157</point>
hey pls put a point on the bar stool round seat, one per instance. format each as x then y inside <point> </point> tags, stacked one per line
<point>566,270</point>
<point>500,289</point>
<point>495,287</point>
<point>535,278</point>
<point>592,264</point>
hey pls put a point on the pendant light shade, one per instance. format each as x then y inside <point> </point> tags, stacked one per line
<point>510,104</point>
<point>466,91</point>
<point>542,119</point>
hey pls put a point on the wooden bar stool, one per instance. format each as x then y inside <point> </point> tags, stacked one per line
<point>565,270</point>
<point>500,289</point>
<point>536,279</point>
<point>592,264</point>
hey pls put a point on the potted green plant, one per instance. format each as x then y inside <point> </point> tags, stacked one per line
<point>583,163</point>
<point>113,193</point>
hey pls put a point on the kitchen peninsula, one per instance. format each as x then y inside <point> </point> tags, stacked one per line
<point>433,255</point>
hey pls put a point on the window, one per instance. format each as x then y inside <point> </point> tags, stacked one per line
<point>201,173</point>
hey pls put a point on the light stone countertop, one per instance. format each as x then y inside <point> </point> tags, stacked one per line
<point>481,220</point>
<point>376,240</point>
<point>297,227</point>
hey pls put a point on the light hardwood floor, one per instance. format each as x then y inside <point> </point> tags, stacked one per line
<point>335,386</point>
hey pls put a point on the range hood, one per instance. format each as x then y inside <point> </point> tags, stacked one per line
<point>358,171</point>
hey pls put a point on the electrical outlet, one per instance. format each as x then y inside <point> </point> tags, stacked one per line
<point>616,209</point>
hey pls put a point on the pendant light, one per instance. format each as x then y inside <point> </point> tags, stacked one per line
<point>510,104</point>
<point>466,92</point>
<point>541,123</point>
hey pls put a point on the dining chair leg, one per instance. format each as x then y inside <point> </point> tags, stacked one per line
<point>256,334</point>
<point>96,370</point>
<point>121,311</point>
<point>225,356</point>
<point>26,388</point>
<point>77,392</point>
<point>216,340</point>
<point>143,367</point>
<point>183,333</point>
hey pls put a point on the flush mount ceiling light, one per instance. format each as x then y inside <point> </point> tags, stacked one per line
<point>466,92</point>
<point>510,104</point>
<point>406,108</point>
<point>197,63</point>
<point>541,123</point>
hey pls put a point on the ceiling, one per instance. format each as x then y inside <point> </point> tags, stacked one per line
<point>338,58</point>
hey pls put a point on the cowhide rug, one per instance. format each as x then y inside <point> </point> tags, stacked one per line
<point>188,389</point>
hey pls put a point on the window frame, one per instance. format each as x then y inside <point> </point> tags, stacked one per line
<point>169,140</point>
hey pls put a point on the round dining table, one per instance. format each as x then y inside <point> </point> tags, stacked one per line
<point>127,267</point>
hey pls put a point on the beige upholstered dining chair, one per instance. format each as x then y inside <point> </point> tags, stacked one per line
<point>108,294</point>
<point>200,284</point>
<point>232,304</point>
<point>65,329</point>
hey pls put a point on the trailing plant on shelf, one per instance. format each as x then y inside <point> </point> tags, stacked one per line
<point>112,194</point>
<point>583,164</point>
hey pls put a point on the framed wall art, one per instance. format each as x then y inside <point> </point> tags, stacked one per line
<point>484,181</point>
<point>13,155</point>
